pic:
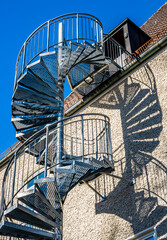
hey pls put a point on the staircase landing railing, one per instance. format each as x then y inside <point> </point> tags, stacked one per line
<point>85,137</point>
<point>77,27</point>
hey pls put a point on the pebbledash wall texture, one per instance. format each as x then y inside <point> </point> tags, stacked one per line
<point>137,108</point>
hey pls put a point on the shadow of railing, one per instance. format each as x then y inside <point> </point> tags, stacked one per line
<point>143,204</point>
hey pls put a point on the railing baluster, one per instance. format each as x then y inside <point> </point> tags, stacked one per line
<point>48,35</point>
<point>82,135</point>
<point>77,27</point>
<point>14,175</point>
<point>46,151</point>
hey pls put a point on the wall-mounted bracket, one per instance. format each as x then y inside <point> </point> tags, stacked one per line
<point>102,197</point>
<point>131,181</point>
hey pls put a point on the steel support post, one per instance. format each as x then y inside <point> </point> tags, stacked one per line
<point>61,93</point>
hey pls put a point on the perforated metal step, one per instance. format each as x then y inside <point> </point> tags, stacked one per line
<point>20,231</point>
<point>37,201</point>
<point>25,215</point>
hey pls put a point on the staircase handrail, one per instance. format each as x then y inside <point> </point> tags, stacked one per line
<point>79,27</point>
<point>34,139</point>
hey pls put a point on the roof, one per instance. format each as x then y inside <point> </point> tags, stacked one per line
<point>71,99</point>
<point>157,22</point>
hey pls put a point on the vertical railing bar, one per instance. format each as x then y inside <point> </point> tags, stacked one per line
<point>106,137</point>
<point>46,151</point>
<point>92,138</point>
<point>24,57</point>
<point>85,28</point>
<point>48,35</point>
<point>28,162</point>
<point>82,135</point>
<point>34,159</point>
<point>34,44</point>
<point>110,144</point>
<point>97,31</point>
<point>18,172</point>
<point>88,135</point>
<point>9,182</point>
<point>70,141</point>
<point>23,167</point>
<point>14,175</point>
<point>38,41</point>
<point>65,144</point>
<point>39,157</point>
<point>96,142</point>
<point>101,36</point>
<point>89,29</point>
<point>82,27</point>
<point>121,56</point>
<point>67,29</point>
<point>8,186</point>
<point>77,27</point>
<point>72,30</point>
<point>30,48</point>
<point>53,33</point>
<point>42,38</point>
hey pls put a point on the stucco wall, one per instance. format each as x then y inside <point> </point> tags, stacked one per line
<point>137,109</point>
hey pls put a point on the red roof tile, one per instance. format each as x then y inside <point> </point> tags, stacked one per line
<point>157,22</point>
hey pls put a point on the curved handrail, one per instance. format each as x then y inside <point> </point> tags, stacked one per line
<point>78,27</point>
<point>84,122</point>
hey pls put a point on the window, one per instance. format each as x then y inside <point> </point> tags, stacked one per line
<point>148,234</point>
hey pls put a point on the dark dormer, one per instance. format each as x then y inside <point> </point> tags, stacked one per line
<point>129,35</point>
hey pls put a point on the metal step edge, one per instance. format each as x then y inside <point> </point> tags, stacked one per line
<point>22,231</point>
<point>20,196</point>
<point>35,218</point>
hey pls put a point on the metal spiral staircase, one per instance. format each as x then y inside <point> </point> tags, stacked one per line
<point>56,153</point>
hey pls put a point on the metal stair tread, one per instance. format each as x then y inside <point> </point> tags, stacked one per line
<point>36,200</point>
<point>23,214</point>
<point>37,84</point>
<point>40,71</point>
<point>32,109</point>
<point>29,122</point>
<point>27,95</point>
<point>20,231</point>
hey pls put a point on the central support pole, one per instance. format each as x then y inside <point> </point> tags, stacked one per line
<point>61,80</point>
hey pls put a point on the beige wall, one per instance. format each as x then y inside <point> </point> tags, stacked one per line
<point>138,113</point>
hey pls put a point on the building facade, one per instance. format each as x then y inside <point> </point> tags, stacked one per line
<point>130,200</point>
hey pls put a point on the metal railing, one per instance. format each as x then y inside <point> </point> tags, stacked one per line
<point>85,136</point>
<point>77,27</point>
<point>9,150</point>
<point>145,46</point>
<point>115,51</point>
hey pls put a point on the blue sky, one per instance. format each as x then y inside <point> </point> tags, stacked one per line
<point>20,18</point>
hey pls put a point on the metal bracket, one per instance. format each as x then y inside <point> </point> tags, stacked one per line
<point>131,181</point>
<point>102,197</point>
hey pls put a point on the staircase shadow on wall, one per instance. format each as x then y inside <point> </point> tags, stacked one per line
<point>141,120</point>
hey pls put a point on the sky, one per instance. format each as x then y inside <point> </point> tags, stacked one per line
<point>19,18</point>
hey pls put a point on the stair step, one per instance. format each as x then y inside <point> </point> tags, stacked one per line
<point>23,214</point>
<point>30,81</point>
<point>51,63</point>
<point>40,71</point>
<point>33,121</point>
<point>22,109</point>
<point>26,95</point>
<point>37,201</point>
<point>20,231</point>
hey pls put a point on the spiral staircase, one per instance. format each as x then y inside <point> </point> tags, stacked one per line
<point>56,153</point>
